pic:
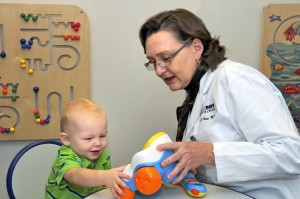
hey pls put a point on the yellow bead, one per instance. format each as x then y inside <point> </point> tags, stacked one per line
<point>38,120</point>
<point>23,61</point>
<point>23,65</point>
<point>30,71</point>
<point>12,129</point>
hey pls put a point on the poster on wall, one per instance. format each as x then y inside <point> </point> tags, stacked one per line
<point>280,57</point>
<point>44,64</point>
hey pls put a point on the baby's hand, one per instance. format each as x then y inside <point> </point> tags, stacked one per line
<point>113,180</point>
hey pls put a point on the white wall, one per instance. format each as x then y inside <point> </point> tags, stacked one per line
<point>137,103</point>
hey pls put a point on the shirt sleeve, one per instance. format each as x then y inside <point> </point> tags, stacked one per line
<point>63,164</point>
<point>258,111</point>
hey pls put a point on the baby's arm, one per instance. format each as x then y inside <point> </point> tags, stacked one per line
<point>111,178</point>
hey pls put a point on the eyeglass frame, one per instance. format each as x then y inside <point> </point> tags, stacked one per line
<point>166,60</point>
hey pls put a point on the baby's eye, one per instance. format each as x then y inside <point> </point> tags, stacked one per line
<point>102,136</point>
<point>89,138</point>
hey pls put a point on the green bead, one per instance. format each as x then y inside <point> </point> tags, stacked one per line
<point>37,116</point>
<point>14,89</point>
<point>34,18</point>
<point>23,15</point>
<point>26,18</point>
<point>13,98</point>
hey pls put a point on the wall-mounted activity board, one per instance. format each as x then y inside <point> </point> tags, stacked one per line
<point>280,58</point>
<point>44,63</point>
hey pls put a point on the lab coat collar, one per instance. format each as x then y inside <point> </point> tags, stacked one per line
<point>205,84</point>
<point>207,79</point>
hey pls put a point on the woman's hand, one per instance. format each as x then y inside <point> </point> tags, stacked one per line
<point>189,155</point>
<point>113,180</point>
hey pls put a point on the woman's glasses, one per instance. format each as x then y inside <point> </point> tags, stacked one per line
<point>164,61</point>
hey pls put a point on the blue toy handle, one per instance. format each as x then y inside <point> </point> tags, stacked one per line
<point>147,176</point>
<point>192,186</point>
<point>157,165</point>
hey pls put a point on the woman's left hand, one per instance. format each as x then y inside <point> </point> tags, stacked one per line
<point>189,155</point>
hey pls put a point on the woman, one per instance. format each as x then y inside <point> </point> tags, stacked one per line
<point>234,124</point>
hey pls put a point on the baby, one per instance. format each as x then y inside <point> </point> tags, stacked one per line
<point>83,164</point>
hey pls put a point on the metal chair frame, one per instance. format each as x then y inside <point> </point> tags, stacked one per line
<point>18,156</point>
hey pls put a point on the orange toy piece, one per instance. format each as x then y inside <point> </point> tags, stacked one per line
<point>128,193</point>
<point>145,169</point>
<point>147,180</point>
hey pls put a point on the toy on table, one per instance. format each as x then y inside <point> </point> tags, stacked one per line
<point>192,186</point>
<point>147,175</point>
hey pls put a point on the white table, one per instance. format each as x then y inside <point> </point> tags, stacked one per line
<point>168,191</point>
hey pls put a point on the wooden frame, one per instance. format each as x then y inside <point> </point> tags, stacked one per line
<point>280,56</point>
<point>44,63</point>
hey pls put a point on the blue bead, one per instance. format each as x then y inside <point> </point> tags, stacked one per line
<point>30,42</point>
<point>47,121</point>
<point>23,41</point>
<point>36,89</point>
<point>23,46</point>
<point>3,54</point>
<point>28,46</point>
<point>7,130</point>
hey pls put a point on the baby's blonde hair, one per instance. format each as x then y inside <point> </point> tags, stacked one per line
<point>75,107</point>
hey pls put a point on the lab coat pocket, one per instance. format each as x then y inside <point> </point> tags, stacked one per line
<point>202,128</point>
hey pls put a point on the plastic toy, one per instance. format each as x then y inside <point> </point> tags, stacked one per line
<point>192,186</point>
<point>147,175</point>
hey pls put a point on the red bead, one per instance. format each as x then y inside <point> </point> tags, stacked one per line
<point>77,37</point>
<point>195,191</point>
<point>192,180</point>
<point>42,121</point>
<point>73,37</point>
<point>4,90</point>
<point>2,130</point>
<point>78,24</point>
<point>35,111</point>
<point>73,24</point>
<point>76,28</point>
<point>66,37</point>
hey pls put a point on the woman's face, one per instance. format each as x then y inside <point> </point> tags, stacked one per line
<point>179,73</point>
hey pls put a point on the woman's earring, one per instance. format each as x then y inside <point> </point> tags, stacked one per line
<point>198,61</point>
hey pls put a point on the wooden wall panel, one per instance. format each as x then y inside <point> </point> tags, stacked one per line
<point>280,55</point>
<point>57,64</point>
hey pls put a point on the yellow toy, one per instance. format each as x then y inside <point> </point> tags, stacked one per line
<point>147,174</point>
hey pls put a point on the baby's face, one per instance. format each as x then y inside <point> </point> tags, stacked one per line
<point>89,139</point>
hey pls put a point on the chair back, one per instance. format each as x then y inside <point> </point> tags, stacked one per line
<point>30,168</point>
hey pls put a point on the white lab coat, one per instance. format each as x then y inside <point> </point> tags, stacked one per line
<point>256,143</point>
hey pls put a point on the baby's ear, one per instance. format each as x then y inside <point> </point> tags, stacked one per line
<point>64,138</point>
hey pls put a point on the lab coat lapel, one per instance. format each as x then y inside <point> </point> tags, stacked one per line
<point>194,116</point>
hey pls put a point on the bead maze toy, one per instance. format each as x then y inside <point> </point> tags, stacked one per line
<point>147,175</point>
<point>44,64</point>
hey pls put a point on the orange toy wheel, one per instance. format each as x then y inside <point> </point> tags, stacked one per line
<point>128,193</point>
<point>147,180</point>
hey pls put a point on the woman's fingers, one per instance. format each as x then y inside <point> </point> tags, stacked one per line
<point>168,146</point>
<point>182,174</point>
<point>180,166</point>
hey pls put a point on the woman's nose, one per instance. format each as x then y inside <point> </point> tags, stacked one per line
<point>159,70</point>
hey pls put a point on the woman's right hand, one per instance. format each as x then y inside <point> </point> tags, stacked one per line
<point>189,155</point>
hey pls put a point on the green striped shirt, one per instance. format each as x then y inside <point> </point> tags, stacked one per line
<point>58,187</point>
